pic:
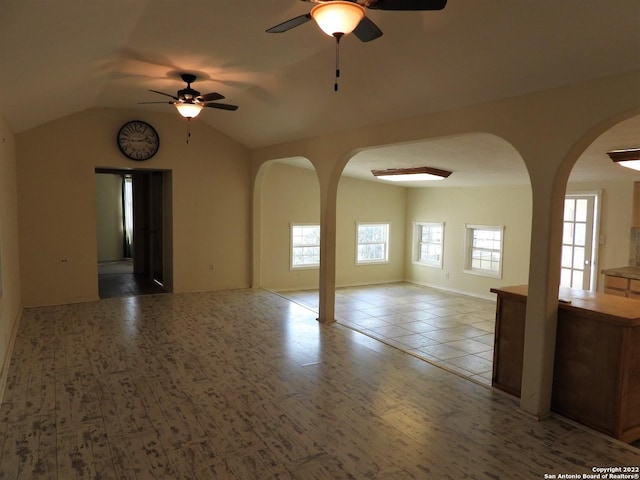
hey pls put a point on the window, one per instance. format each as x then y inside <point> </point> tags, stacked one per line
<point>483,250</point>
<point>428,240</point>
<point>373,243</point>
<point>305,246</point>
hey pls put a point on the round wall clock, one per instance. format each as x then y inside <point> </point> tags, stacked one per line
<point>138,140</point>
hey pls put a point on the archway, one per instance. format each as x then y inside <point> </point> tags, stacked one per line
<point>442,313</point>
<point>287,211</point>
<point>614,239</point>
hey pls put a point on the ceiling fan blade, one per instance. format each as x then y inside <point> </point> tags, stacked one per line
<point>221,106</point>
<point>289,24</point>
<point>367,30</point>
<point>406,4</point>
<point>165,103</point>
<point>210,97</point>
<point>167,94</point>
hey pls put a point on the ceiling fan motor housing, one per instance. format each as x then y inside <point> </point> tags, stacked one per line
<point>188,94</point>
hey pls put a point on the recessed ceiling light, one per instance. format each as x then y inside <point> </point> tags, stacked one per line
<point>629,158</point>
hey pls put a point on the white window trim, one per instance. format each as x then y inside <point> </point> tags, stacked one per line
<point>468,227</point>
<point>416,245</point>
<point>309,266</point>
<point>386,253</point>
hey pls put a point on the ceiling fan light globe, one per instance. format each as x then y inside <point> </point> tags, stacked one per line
<point>188,110</point>
<point>337,17</point>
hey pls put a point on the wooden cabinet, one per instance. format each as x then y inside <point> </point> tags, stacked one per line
<point>597,358</point>
<point>634,289</point>
<point>623,282</point>
<point>616,285</point>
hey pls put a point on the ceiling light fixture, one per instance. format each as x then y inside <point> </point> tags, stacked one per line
<point>411,174</point>
<point>188,110</point>
<point>629,158</point>
<point>337,18</point>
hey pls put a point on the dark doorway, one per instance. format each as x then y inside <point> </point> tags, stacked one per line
<point>136,221</point>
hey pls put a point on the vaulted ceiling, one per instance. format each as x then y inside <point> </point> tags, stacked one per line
<point>59,57</point>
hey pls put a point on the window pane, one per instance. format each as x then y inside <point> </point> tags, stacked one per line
<point>569,209</point>
<point>567,233</point>
<point>429,243</point>
<point>372,242</point>
<point>485,252</point>
<point>370,233</point>
<point>581,210</point>
<point>578,258</point>
<point>567,256</point>
<point>576,282</point>
<point>580,234</point>
<point>305,245</point>
<point>565,277</point>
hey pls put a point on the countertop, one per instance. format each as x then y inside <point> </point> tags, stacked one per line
<point>610,308</point>
<point>625,272</point>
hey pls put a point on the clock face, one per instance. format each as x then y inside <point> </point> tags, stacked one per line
<point>138,140</point>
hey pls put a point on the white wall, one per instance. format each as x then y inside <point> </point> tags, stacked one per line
<point>57,203</point>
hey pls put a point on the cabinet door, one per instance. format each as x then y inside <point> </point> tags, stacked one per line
<point>616,285</point>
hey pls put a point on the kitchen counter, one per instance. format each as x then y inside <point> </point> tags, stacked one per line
<point>624,272</point>
<point>622,281</point>
<point>596,378</point>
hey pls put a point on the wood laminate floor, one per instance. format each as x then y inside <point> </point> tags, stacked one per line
<point>245,384</point>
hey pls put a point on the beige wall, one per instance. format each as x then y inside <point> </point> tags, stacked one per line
<point>57,203</point>
<point>507,206</point>
<point>291,195</point>
<point>109,216</point>
<point>369,202</point>
<point>10,300</point>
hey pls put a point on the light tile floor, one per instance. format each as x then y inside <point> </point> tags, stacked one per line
<point>451,330</point>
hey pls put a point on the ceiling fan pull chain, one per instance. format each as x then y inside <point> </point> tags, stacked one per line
<point>338,37</point>
<point>188,129</point>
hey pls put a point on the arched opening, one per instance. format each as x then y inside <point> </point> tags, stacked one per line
<point>287,226</point>
<point>599,232</point>
<point>435,307</point>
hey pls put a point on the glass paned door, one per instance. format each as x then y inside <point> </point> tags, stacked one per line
<point>577,241</point>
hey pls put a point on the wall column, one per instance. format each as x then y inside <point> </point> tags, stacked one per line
<point>327,280</point>
<point>542,301</point>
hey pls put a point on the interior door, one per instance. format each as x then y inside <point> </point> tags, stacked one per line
<point>148,225</point>
<point>578,252</point>
<point>156,227</point>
